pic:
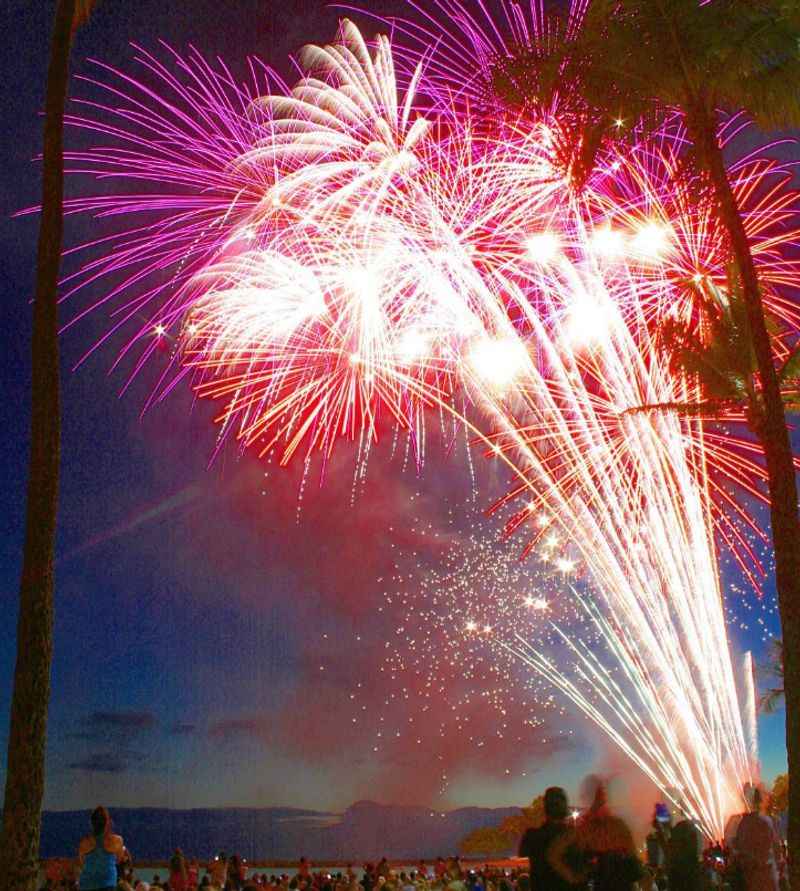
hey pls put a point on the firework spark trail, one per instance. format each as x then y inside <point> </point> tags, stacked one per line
<point>634,513</point>
<point>330,262</point>
<point>623,704</point>
<point>460,43</point>
<point>629,502</point>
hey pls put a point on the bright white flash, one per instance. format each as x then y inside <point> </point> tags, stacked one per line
<point>607,243</point>
<point>543,247</point>
<point>589,319</point>
<point>651,242</point>
<point>498,362</point>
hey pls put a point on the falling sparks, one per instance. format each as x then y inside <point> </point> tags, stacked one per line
<point>457,604</point>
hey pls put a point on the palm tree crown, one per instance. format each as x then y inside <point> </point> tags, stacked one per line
<point>728,54</point>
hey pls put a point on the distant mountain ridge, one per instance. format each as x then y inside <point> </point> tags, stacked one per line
<point>365,831</point>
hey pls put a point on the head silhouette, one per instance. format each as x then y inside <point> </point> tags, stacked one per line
<point>100,820</point>
<point>555,803</point>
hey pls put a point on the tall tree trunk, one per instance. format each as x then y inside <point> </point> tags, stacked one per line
<point>22,807</point>
<point>774,437</point>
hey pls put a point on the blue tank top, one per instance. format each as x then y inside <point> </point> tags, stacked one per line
<point>99,868</point>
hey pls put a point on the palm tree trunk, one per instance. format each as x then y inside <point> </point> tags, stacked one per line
<point>774,437</point>
<point>22,808</point>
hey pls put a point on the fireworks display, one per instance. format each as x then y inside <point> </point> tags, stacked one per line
<point>447,664</point>
<point>340,259</point>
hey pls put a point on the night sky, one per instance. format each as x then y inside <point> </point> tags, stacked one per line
<point>210,634</point>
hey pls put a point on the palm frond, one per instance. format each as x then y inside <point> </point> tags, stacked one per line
<point>773,667</point>
<point>790,370</point>
<point>709,408</point>
<point>770,701</point>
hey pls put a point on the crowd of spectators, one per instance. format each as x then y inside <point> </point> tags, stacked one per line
<point>593,852</point>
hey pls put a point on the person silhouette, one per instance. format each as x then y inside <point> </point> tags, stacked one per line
<point>99,854</point>
<point>599,849</point>
<point>535,843</point>
<point>756,848</point>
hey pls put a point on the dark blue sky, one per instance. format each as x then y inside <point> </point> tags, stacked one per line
<point>207,644</point>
